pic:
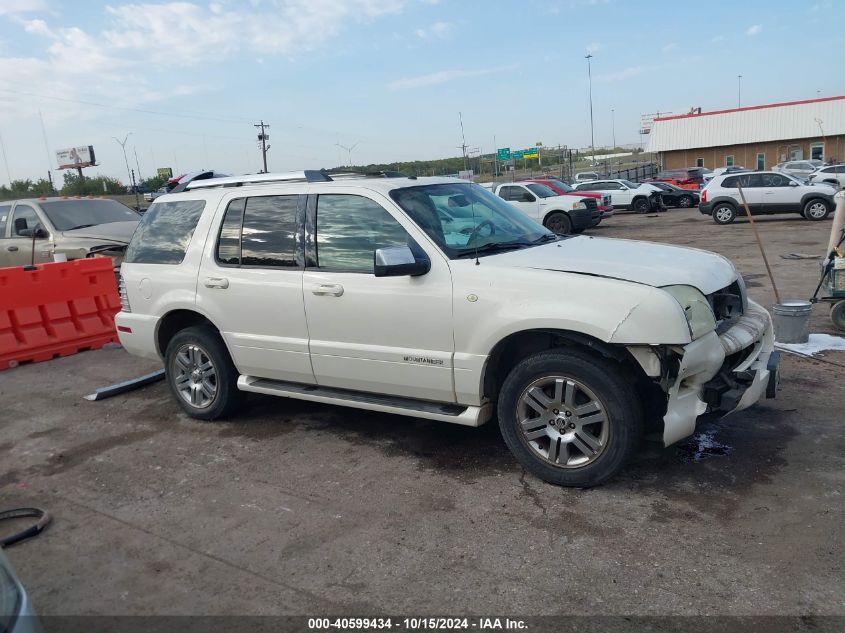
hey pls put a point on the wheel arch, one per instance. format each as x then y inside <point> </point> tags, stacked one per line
<point>812,195</point>
<point>551,211</point>
<point>175,321</point>
<point>509,351</point>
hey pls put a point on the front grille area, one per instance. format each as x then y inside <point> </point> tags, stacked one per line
<point>590,203</point>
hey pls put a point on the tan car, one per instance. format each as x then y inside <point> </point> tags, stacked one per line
<point>74,227</point>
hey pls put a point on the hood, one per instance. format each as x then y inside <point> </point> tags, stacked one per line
<point>113,231</point>
<point>640,262</point>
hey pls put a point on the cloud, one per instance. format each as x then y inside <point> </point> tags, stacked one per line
<point>669,47</point>
<point>80,63</point>
<point>8,7</point>
<point>621,75</point>
<point>443,76</point>
<point>438,30</point>
<point>754,29</point>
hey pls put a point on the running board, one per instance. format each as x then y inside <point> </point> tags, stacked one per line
<point>443,412</point>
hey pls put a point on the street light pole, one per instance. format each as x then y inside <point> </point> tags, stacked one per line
<point>348,151</point>
<point>613,126</point>
<point>588,57</point>
<point>128,172</point>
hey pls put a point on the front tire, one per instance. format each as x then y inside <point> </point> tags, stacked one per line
<point>569,418</point>
<point>641,205</point>
<point>559,223</point>
<point>685,202</point>
<point>724,213</point>
<point>816,209</point>
<point>201,374</point>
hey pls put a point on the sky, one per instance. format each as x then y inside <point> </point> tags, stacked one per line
<point>188,80</point>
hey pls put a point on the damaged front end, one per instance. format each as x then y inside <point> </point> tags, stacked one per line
<point>726,369</point>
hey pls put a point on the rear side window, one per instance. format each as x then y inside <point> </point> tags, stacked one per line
<point>164,233</point>
<point>258,231</point>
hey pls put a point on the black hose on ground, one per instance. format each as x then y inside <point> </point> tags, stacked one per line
<point>43,519</point>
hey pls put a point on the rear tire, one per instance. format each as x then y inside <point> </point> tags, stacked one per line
<point>559,223</point>
<point>724,213</point>
<point>201,374</point>
<point>816,209</point>
<point>570,418</point>
<point>685,202</point>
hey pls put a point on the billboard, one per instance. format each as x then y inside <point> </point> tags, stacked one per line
<point>165,172</point>
<point>82,156</point>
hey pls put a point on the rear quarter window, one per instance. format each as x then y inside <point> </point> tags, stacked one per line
<point>164,233</point>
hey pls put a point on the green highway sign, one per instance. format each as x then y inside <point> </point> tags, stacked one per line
<point>531,152</point>
<point>503,153</point>
<point>516,155</point>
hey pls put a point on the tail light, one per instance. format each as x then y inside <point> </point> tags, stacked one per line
<point>704,195</point>
<point>124,296</point>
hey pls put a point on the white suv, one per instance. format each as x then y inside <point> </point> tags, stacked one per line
<point>831,175</point>
<point>766,192</point>
<point>624,194</point>
<point>436,299</point>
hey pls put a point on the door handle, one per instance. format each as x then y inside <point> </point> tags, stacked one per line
<point>12,248</point>
<point>217,282</point>
<point>325,290</point>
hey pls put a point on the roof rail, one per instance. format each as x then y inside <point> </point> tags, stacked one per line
<point>307,175</point>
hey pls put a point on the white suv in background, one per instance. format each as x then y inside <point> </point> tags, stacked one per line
<point>800,168</point>
<point>766,192</point>
<point>434,298</point>
<point>624,194</point>
<point>831,175</point>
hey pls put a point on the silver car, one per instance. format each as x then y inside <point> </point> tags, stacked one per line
<point>799,168</point>
<point>16,614</point>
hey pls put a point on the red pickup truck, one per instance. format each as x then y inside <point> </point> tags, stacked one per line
<point>561,188</point>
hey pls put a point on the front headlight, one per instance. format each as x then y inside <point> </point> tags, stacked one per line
<point>697,310</point>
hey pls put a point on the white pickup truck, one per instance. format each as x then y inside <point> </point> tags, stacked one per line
<point>433,298</point>
<point>560,214</point>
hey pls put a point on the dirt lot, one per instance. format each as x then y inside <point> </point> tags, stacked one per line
<point>299,508</point>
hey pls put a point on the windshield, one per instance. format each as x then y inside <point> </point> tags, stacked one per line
<point>542,191</point>
<point>562,185</point>
<point>629,184</point>
<point>66,215</point>
<point>461,218</point>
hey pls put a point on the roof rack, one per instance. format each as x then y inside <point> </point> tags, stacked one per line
<point>307,175</point>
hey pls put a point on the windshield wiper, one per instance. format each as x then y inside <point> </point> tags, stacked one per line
<point>548,237</point>
<point>490,247</point>
<point>81,226</point>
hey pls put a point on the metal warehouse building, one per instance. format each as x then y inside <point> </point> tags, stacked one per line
<point>756,137</point>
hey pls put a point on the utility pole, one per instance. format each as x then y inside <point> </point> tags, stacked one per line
<point>495,158</point>
<point>588,57</point>
<point>263,137</point>
<point>463,145</point>
<point>739,91</point>
<point>137,164</point>
<point>47,150</point>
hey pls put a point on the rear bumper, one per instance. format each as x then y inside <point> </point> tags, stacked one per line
<point>705,208</point>
<point>137,334</point>
<point>722,373</point>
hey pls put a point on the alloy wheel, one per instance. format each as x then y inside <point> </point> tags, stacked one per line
<point>195,376</point>
<point>817,210</point>
<point>563,421</point>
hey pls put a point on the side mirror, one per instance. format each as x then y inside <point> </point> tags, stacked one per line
<point>38,232</point>
<point>399,261</point>
<point>527,197</point>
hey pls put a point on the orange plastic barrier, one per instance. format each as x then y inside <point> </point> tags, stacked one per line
<point>56,310</point>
